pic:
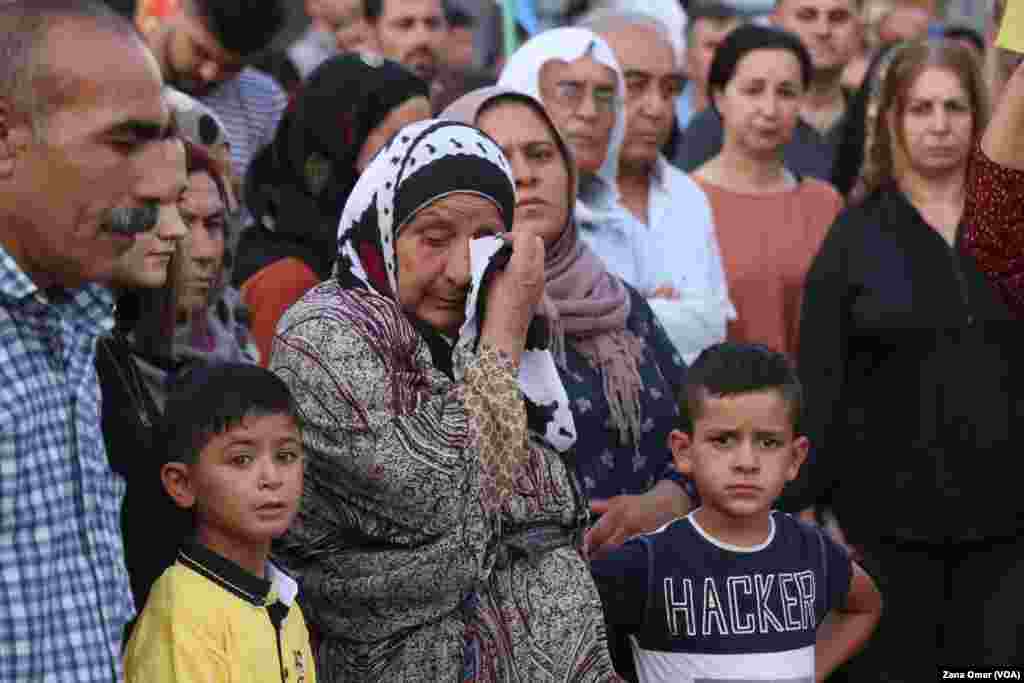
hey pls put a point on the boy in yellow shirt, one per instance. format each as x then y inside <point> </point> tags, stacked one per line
<point>223,613</point>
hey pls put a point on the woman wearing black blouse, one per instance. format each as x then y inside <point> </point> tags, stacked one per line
<point>912,370</point>
<point>138,359</point>
<point>128,358</point>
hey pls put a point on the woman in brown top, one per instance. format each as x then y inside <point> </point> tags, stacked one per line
<point>769,221</point>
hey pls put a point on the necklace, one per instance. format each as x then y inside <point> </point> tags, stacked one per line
<point>131,379</point>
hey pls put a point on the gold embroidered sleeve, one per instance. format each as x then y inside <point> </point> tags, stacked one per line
<point>497,419</point>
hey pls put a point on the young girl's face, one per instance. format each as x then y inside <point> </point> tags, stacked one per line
<point>146,263</point>
<point>742,453</point>
<point>247,484</point>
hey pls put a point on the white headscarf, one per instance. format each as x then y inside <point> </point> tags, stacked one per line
<point>522,73</point>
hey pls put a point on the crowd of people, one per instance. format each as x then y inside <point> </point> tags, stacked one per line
<point>592,341</point>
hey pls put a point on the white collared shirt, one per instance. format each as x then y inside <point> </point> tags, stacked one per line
<point>682,251</point>
<point>612,232</point>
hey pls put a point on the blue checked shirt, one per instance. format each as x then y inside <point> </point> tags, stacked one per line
<point>64,592</point>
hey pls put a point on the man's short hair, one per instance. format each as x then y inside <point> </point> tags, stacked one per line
<point>732,369</point>
<point>609,19</point>
<point>25,81</point>
<point>717,13</point>
<point>210,400</point>
<point>243,27</point>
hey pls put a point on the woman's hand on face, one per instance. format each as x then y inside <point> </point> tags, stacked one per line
<point>514,295</point>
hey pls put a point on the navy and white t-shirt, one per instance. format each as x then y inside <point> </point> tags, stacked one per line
<point>702,611</point>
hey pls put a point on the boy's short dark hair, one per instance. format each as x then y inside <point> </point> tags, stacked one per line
<point>731,369</point>
<point>243,27</point>
<point>211,399</point>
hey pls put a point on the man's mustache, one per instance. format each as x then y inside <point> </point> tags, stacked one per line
<point>132,220</point>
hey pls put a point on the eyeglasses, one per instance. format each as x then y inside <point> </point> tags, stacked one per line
<point>570,95</point>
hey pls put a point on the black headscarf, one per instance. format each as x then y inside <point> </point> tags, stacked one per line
<point>298,185</point>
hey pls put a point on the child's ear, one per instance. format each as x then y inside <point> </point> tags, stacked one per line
<point>801,447</point>
<point>177,481</point>
<point>680,442</point>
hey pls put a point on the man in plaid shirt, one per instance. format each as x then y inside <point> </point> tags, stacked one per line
<point>81,118</point>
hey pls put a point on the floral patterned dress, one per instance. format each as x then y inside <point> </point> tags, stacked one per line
<point>993,226</point>
<point>410,568</point>
<point>607,464</point>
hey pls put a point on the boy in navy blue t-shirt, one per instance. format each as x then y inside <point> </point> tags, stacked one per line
<point>736,591</point>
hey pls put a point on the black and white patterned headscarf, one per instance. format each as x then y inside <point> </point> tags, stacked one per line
<point>423,163</point>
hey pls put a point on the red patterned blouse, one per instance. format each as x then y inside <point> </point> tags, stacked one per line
<point>993,226</point>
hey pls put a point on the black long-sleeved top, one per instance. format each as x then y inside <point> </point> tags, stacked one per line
<point>914,387</point>
<point>152,526</point>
